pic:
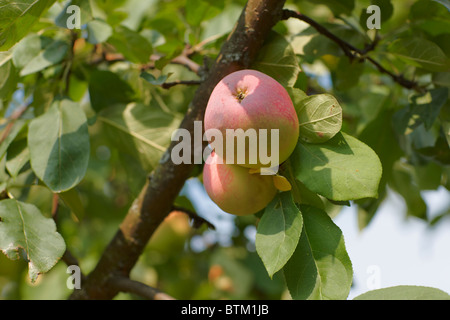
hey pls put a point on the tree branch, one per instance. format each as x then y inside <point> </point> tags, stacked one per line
<point>124,284</point>
<point>349,50</point>
<point>156,198</point>
<point>184,60</point>
<point>168,85</point>
<point>198,221</point>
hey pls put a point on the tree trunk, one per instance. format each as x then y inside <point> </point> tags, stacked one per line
<point>165,182</point>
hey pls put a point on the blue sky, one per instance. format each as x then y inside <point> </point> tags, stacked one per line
<point>399,250</point>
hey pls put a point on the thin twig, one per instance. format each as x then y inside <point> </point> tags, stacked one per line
<point>345,46</point>
<point>55,206</point>
<point>351,51</point>
<point>168,85</point>
<point>184,60</point>
<point>124,284</point>
<point>197,220</point>
<point>68,68</point>
<point>14,116</point>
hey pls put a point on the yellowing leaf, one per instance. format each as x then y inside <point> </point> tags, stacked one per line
<point>281,183</point>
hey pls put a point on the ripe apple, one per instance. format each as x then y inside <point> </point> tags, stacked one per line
<point>249,99</point>
<point>234,189</point>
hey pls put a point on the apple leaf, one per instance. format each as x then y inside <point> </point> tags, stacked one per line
<point>59,145</point>
<point>404,293</point>
<point>278,60</point>
<point>98,31</point>
<point>343,168</point>
<point>423,108</point>
<point>50,55</point>
<point>18,155</point>
<point>137,132</point>
<point>131,44</point>
<point>106,88</point>
<point>278,232</point>
<point>23,227</point>
<point>17,18</point>
<point>320,267</point>
<point>28,48</point>
<point>421,53</point>
<point>320,118</point>
<point>17,127</point>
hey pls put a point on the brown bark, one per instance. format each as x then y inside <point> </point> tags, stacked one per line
<point>165,182</point>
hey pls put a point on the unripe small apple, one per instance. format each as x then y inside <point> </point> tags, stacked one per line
<point>249,99</point>
<point>234,189</point>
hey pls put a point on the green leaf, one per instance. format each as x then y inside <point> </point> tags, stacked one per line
<point>222,23</point>
<point>277,59</point>
<point>431,17</point>
<point>137,130</point>
<point>16,129</point>
<point>312,45</point>
<point>72,200</point>
<point>131,44</point>
<point>340,169</point>
<point>320,118</point>
<point>423,109</point>
<point>297,95</point>
<point>28,48</point>
<point>52,54</point>
<point>59,145</point>
<point>308,197</point>
<point>278,232</point>
<point>378,135</point>
<point>320,267</point>
<point>347,73</point>
<point>23,227</point>
<point>5,56</point>
<point>445,3</point>
<point>98,31</point>
<point>8,80</point>
<point>18,155</point>
<point>151,78</point>
<point>441,79</point>
<point>198,11</point>
<point>421,53</point>
<point>403,182</point>
<point>338,6</point>
<point>428,105</point>
<point>17,18</point>
<point>405,293</point>
<point>428,176</point>
<point>107,88</point>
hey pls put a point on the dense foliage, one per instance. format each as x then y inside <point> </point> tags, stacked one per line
<point>88,112</point>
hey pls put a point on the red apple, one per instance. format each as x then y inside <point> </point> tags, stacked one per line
<point>249,99</point>
<point>234,189</point>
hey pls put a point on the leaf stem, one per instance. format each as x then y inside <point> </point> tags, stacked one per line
<point>286,170</point>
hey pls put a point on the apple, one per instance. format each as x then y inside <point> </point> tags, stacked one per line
<point>234,189</point>
<point>249,99</point>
